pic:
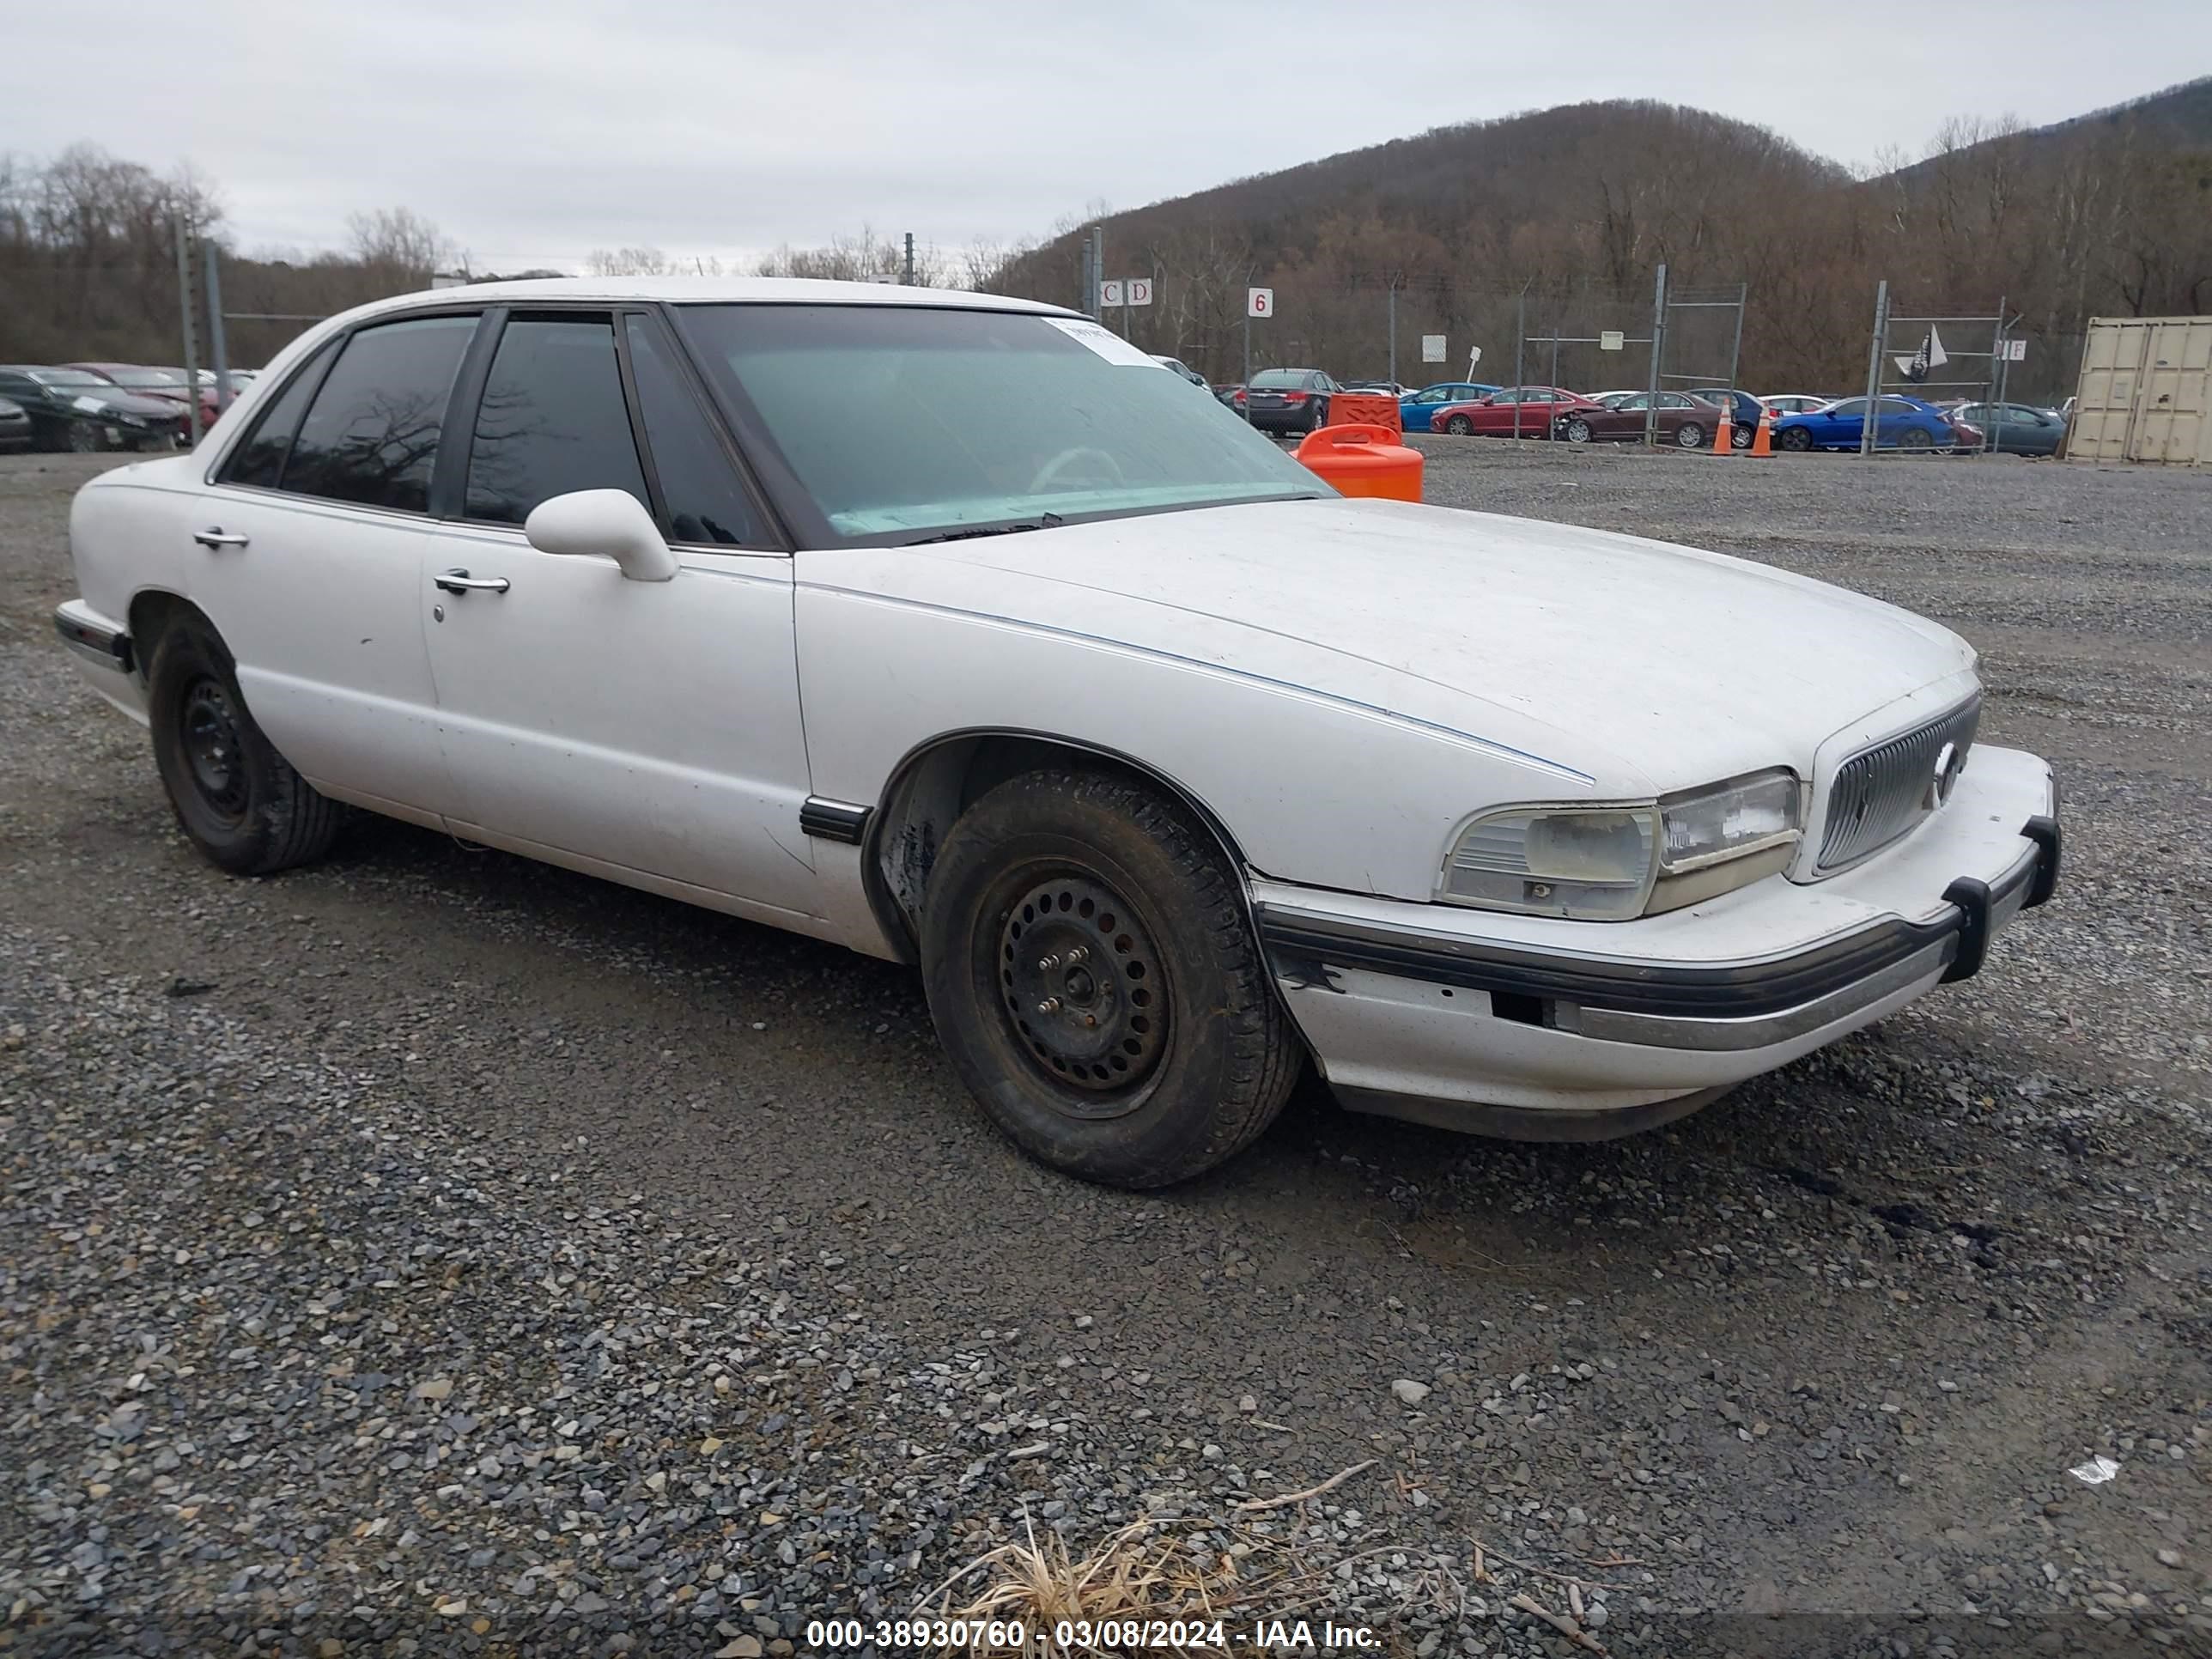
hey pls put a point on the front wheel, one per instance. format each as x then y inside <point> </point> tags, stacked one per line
<point>1689,435</point>
<point>1093,977</point>
<point>1577,431</point>
<point>1459,426</point>
<point>235,797</point>
<point>84,439</point>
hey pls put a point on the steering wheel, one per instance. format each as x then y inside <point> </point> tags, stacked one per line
<point>1052,468</point>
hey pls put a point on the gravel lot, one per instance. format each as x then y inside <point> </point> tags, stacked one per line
<point>436,1246</point>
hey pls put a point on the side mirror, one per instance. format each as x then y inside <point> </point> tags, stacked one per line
<point>605,523</point>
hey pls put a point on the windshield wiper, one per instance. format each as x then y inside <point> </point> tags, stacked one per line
<point>1043,522</point>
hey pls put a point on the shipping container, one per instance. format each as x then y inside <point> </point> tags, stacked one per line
<point>2146,391</point>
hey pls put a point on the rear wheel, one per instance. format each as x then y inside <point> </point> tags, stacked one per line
<point>1460,425</point>
<point>1794,437</point>
<point>1689,435</point>
<point>1741,434</point>
<point>238,799</point>
<point>1914,437</point>
<point>1093,977</point>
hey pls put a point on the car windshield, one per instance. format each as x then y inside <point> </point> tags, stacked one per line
<point>65,377</point>
<point>147,377</point>
<point>897,420</point>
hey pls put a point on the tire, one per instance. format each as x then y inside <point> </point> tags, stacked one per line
<point>1914,437</point>
<point>1741,435</point>
<point>1577,431</point>
<point>83,438</point>
<point>1317,419</point>
<point>236,799</point>
<point>1163,1050</point>
<point>1794,437</point>
<point>1689,435</point>
<point>1459,426</point>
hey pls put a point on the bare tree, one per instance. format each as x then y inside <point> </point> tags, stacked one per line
<point>399,240</point>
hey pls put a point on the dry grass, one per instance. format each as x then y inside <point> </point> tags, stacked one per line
<point>1141,1573</point>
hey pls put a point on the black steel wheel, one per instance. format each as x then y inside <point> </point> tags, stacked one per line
<point>237,800</point>
<point>1095,982</point>
<point>1914,437</point>
<point>1794,437</point>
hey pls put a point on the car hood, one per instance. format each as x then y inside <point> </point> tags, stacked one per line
<point>92,400</point>
<point>1644,665</point>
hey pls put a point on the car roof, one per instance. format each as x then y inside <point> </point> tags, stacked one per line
<point>700,290</point>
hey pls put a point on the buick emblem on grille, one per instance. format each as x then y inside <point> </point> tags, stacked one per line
<point>1947,766</point>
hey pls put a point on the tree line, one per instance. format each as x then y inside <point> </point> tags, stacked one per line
<point>1546,225</point>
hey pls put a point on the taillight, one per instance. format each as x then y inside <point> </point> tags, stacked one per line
<point>1294,397</point>
<point>1240,394</point>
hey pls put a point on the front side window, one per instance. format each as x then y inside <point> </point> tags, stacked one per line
<point>704,500</point>
<point>903,421</point>
<point>372,435</point>
<point>552,419</point>
<point>1435,394</point>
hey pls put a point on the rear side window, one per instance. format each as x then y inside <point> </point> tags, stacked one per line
<point>372,435</point>
<point>704,501</point>
<point>553,419</point>
<point>260,460</point>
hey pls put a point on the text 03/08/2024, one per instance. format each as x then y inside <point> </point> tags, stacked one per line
<point>1085,1635</point>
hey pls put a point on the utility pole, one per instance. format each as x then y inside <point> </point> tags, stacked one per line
<point>191,344</point>
<point>1875,349</point>
<point>1097,273</point>
<point>1658,351</point>
<point>217,350</point>
<point>910,259</point>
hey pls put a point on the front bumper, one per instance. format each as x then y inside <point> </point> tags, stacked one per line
<point>1548,1030</point>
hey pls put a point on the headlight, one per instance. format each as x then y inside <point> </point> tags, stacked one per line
<point>123,417</point>
<point>1614,863</point>
<point>1594,864</point>
<point>1721,838</point>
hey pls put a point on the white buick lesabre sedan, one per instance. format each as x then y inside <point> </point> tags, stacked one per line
<point>954,629</point>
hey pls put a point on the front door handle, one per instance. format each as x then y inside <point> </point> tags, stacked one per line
<point>215,536</point>
<point>458,580</point>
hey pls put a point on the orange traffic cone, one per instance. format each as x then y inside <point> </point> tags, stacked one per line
<point>1762,441</point>
<point>1725,434</point>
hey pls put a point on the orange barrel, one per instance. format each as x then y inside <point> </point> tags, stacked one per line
<point>1363,460</point>
<point>1365,408</point>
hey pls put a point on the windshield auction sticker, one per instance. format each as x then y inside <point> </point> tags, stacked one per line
<point>1103,340</point>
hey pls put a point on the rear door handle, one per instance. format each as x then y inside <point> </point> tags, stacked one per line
<point>458,580</point>
<point>214,536</point>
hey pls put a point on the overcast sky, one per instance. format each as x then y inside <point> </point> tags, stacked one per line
<point>532,132</point>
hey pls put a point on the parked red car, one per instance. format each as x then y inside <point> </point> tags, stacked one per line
<point>166,384</point>
<point>1525,411</point>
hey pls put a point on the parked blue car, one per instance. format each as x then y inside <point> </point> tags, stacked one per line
<point>1904,424</point>
<point>1417,409</point>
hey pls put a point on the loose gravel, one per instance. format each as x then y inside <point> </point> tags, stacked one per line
<point>434,1251</point>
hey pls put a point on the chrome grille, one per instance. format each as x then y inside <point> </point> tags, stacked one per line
<point>1882,792</point>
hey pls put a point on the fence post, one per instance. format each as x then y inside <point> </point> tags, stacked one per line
<point>910,259</point>
<point>1875,347</point>
<point>1996,380</point>
<point>1736,346</point>
<point>1098,273</point>
<point>217,348</point>
<point>1394,334</point>
<point>1520,350</point>
<point>1658,349</point>
<point>192,347</point>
